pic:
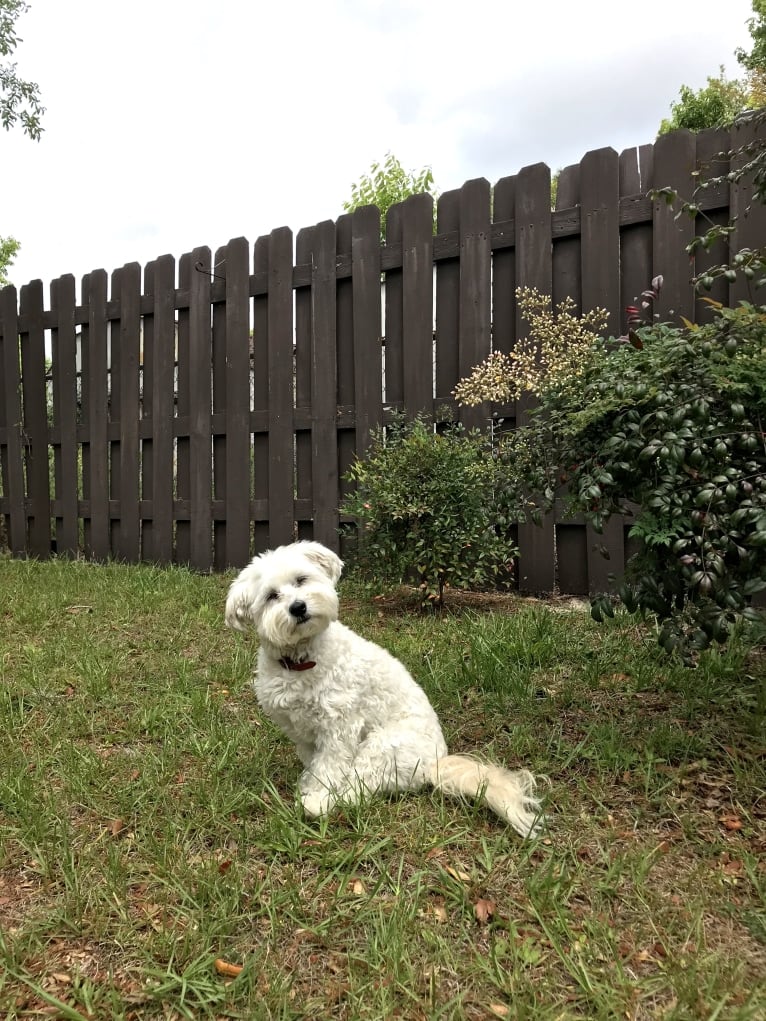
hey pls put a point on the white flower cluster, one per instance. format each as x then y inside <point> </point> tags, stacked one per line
<point>553,353</point>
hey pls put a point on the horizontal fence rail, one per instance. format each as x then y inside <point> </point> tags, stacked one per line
<point>202,410</point>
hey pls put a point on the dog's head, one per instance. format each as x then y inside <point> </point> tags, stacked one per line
<point>287,593</point>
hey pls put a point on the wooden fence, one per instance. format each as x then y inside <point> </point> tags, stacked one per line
<point>208,411</point>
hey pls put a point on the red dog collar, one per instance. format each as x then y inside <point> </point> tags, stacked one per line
<point>291,664</point>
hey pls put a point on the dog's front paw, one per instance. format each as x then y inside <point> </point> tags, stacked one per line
<point>317,803</point>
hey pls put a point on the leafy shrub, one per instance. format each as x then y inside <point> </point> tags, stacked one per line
<point>672,420</point>
<point>428,507</point>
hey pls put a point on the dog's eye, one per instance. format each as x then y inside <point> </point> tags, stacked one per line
<point>271,596</point>
<point>301,579</point>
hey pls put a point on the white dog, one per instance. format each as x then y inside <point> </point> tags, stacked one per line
<point>359,721</point>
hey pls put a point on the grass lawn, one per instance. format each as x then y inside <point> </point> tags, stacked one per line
<point>150,841</point>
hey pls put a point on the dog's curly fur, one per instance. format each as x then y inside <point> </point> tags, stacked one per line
<point>359,721</point>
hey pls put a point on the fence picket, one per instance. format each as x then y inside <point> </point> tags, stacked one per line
<point>281,369</point>
<point>323,384</point>
<point>145,425</point>
<point>393,327</point>
<point>128,535</point>
<point>34,394</point>
<point>237,484</point>
<point>365,277</point>
<point>182,503</point>
<point>159,392</point>
<point>636,239</point>
<point>200,432</point>
<point>475,315</point>
<point>674,163</point>
<point>571,536</point>
<point>504,287</point>
<point>567,250</point>
<point>447,302</point>
<point>600,274</point>
<point>218,417</point>
<point>713,155</point>
<point>114,399</point>
<point>749,214</point>
<point>417,304</point>
<point>65,386</point>
<point>534,268</point>
<point>13,427</point>
<point>96,408</point>
<point>260,387</point>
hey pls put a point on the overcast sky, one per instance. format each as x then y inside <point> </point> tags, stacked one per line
<point>177,123</point>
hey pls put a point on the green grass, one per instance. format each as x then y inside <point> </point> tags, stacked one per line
<point>148,824</point>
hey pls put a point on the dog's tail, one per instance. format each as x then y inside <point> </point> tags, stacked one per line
<point>510,794</point>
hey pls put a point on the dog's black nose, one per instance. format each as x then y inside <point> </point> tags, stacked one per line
<point>298,608</point>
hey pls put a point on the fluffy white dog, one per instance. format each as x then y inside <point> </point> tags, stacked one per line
<point>359,721</point>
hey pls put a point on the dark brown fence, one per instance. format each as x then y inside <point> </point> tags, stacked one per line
<point>209,410</point>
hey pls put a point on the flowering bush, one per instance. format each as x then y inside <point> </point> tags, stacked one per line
<point>554,351</point>
<point>429,508</point>
<point>671,420</point>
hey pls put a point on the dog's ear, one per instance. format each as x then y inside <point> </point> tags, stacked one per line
<point>240,602</point>
<point>324,558</point>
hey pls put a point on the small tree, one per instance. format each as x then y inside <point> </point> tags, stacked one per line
<point>19,99</point>
<point>721,101</point>
<point>754,61</point>
<point>8,249</point>
<point>714,106</point>
<point>388,183</point>
<point>19,104</point>
<point>429,506</point>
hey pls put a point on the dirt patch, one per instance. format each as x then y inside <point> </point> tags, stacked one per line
<point>406,600</point>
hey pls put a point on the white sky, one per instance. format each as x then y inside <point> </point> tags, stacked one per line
<point>177,123</point>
